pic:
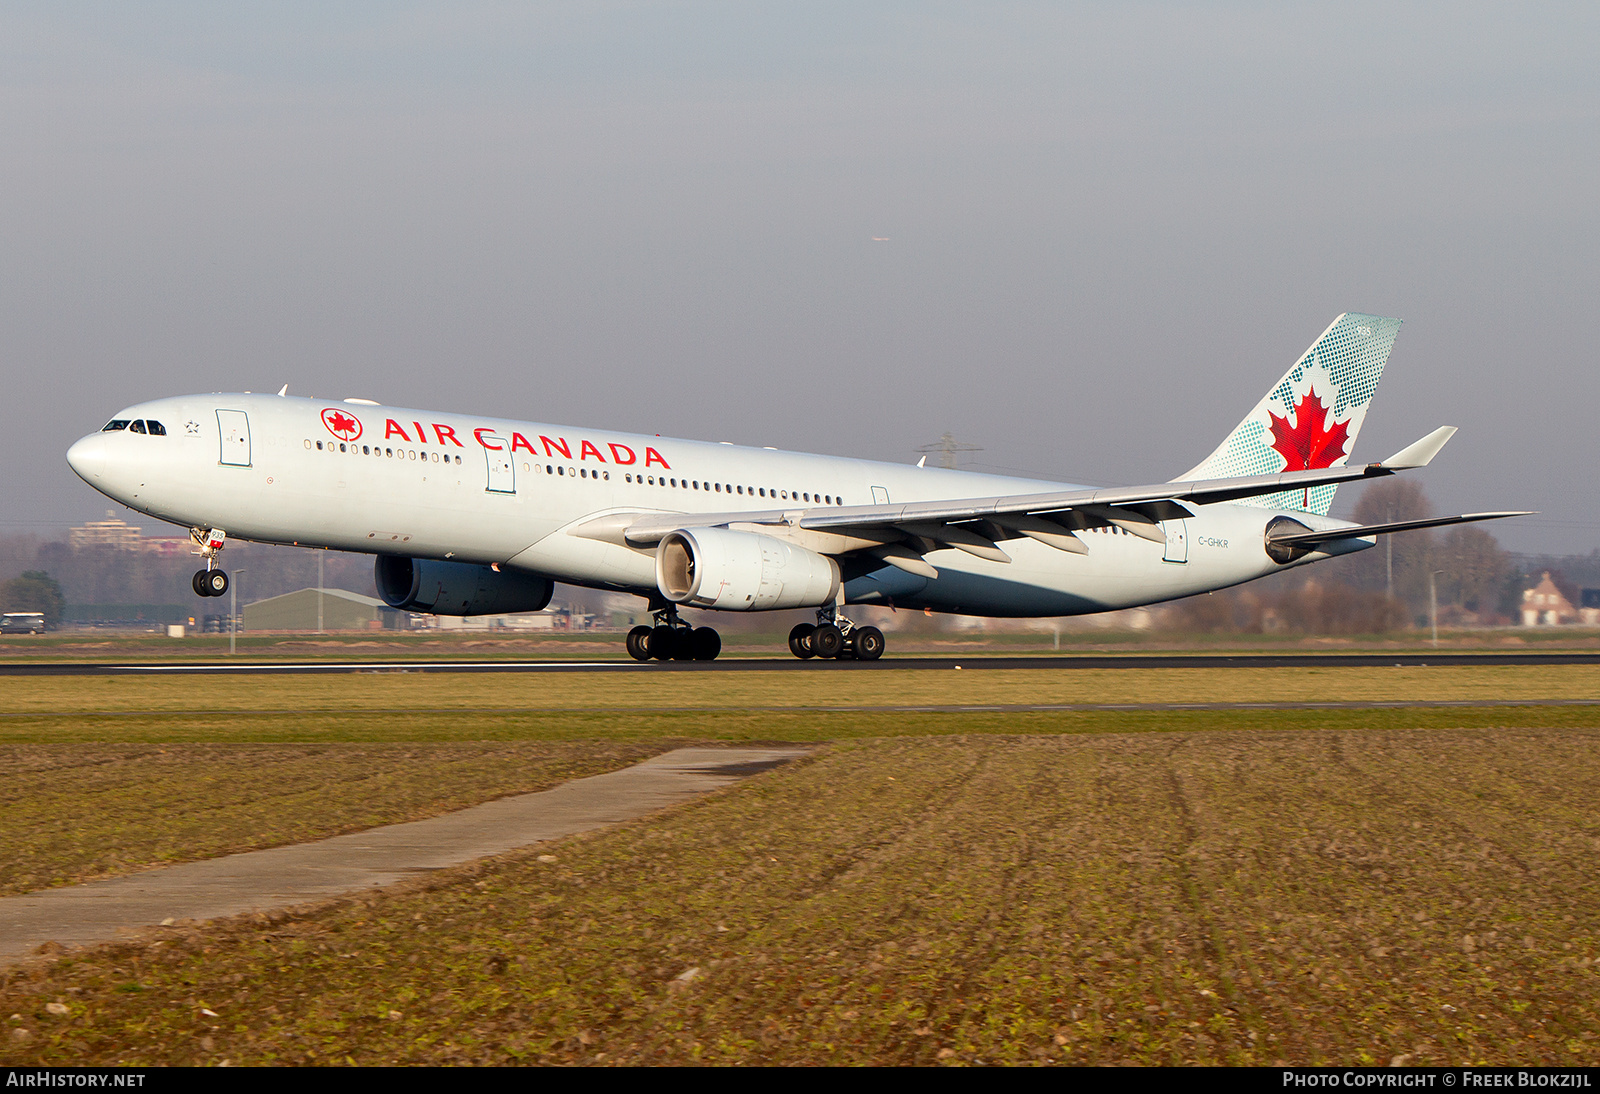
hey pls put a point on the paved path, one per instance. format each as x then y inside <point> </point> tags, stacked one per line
<point>283,876</point>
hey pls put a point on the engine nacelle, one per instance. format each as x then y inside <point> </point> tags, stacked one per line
<point>458,588</point>
<point>742,572</point>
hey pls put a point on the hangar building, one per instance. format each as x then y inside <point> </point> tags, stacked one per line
<point>341,611</point>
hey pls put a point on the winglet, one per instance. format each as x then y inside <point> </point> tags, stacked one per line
<point>1419,453</point>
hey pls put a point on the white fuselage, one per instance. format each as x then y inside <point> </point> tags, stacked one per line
<point>424,484</point>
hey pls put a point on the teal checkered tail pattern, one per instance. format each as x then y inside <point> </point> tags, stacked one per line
<point>1311,417</point>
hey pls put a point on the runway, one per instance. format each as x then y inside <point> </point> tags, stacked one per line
<point>245,667</point>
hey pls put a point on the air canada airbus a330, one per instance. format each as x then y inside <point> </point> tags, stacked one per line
<point>472,515</point>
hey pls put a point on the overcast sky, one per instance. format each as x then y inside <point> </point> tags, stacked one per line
<point>1109,227</point>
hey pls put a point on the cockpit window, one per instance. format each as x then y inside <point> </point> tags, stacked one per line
<point>114,425</point>
<point>156,428</point>
<point>137,427</point>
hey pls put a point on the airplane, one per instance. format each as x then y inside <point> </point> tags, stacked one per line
<point>471,515</point>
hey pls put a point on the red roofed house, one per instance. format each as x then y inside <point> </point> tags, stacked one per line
<point>1544,605</point>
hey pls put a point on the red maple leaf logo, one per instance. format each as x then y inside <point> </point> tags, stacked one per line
<point>1310,442</point>
<point>341,425</point>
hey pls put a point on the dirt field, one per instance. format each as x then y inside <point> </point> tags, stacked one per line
<point>1310,896</point>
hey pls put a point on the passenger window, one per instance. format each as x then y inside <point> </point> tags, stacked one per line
<point>115,424</point>
<point>156,428</point>
<point>136,427</point>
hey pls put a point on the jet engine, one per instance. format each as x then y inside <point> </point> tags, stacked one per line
<point>458,588</point>
<point>742,571</point>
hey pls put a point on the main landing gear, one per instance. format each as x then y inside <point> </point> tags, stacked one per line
<point>210,581</point>
<point>834,636</point>
<point>671,639</point>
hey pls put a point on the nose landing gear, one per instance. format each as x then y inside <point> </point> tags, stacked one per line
<point>210,581</point>
<point>671,639</point>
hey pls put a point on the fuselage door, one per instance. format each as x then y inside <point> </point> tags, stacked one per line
<point>502,472</point>
<point>234,426</point>
<point>1177,540</point>
<point>880,495</point>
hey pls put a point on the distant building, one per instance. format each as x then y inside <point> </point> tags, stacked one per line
<point>341,611</point>
<point>122,536</point>
<point>1545,606</point>
<point>1589,607</point>
<point>554,619</point>
<point>167,546</point>
<point>110,532</point>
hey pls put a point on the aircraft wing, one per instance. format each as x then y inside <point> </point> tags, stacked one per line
<point>901,533</point>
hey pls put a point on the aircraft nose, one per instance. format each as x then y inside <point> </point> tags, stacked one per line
<point>88,458</point>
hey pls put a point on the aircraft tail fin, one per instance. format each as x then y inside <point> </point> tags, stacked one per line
<point>1310,418</point>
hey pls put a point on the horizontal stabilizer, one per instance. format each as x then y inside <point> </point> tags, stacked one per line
<point>1420,453</point>
<point>1356,531</point>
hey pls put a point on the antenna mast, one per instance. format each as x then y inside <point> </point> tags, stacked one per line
<point>947,447</point>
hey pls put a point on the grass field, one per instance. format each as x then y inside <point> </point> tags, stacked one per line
<point>412,701</point>
<point>958,885</point>
<point>1247,898</point>
<point>74,812</point>
<point>104,775</point>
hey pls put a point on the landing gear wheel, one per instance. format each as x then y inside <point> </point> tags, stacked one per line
<point>638,643</point>
<point>198,583</point>
<point>800,641</point>
<point>827,640</point>
<point>215,582</point>
<point>705,644</point>
<point>662,643</point>
<point>868,643</point>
